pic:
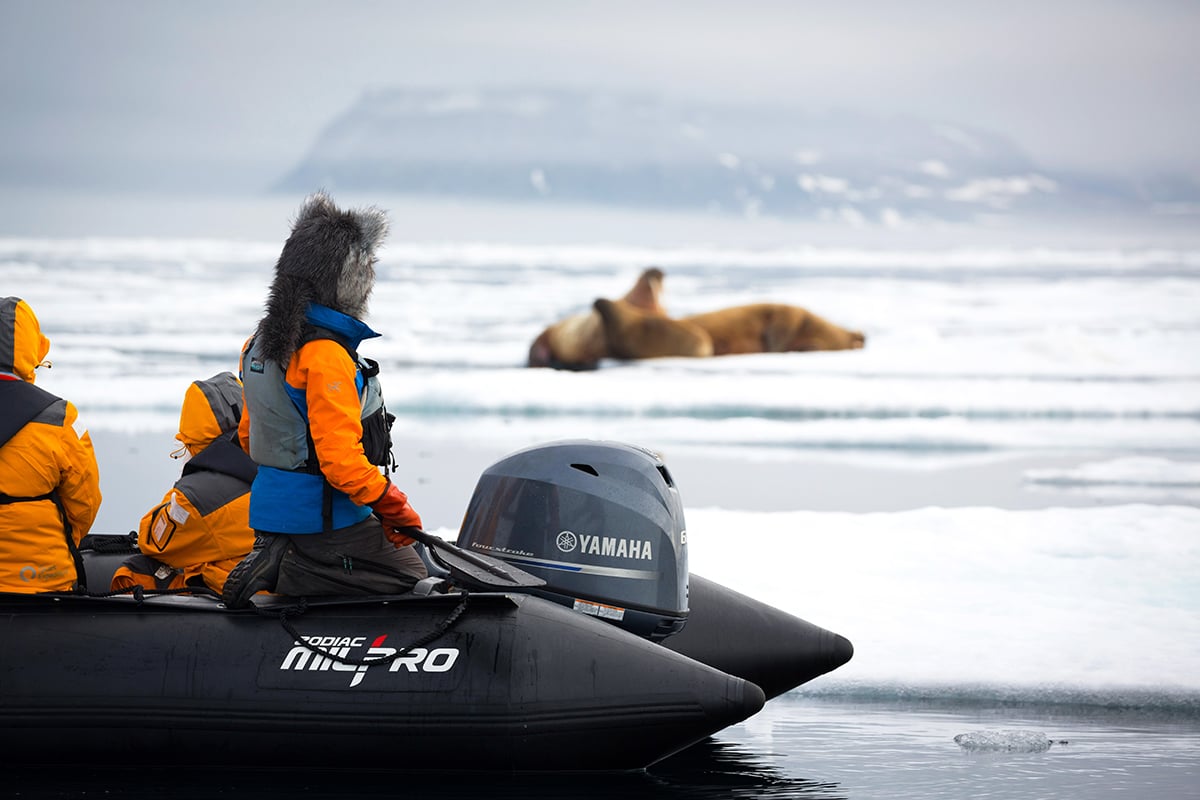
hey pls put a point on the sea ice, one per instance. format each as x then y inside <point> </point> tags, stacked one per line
<point>1005,741</point>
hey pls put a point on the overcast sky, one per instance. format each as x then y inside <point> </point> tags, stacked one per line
<point>236,91</point>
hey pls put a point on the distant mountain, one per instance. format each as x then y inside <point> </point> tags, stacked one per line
<point>649,151</point>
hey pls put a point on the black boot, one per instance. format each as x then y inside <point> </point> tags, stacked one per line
<point>257,572</point>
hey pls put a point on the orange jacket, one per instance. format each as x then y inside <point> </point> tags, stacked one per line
<point>326,375</point>
<point>201,527</point>
<point>46,456</point>
<point>181,535</point>
<point>321,387</point>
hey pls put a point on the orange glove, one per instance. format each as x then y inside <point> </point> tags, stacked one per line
<point>395,512</point>
<point>396,536</point>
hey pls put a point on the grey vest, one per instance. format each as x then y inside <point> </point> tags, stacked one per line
<point>279,431</point>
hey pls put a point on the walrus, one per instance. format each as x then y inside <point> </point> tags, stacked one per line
<point>633,333</point>
<point>772,328</point>
<point>579,342</point>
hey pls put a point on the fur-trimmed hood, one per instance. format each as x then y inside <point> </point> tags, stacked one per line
<point>329,259</point>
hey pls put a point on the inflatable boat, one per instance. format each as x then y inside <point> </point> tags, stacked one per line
<point>561,631</point>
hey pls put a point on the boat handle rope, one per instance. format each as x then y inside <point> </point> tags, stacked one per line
<point>285,614</point>
<point>140,593</point>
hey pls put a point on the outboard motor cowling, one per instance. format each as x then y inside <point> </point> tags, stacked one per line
<point>601,522</point>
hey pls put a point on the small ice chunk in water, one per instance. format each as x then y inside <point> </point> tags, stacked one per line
<point>1006,741</point>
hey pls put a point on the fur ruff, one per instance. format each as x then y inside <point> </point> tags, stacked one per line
<point>328,259</point>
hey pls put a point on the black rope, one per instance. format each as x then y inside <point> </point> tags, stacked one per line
<point>140,593</point>
<point>301,607</point>
<point>110,543</point>
<point>285,614</point>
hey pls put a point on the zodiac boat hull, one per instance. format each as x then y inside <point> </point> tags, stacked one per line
<point>517,683</point>
<point>509,677</point>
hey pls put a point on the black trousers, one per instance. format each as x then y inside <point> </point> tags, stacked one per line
<point>348,561</point>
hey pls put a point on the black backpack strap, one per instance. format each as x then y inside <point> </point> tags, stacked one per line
<point>312,332</point>
<point>80,570</point>
<point>21,402</point>
<point>8,499</point>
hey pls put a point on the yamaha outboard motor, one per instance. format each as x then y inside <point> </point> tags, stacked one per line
<point>601,522</point>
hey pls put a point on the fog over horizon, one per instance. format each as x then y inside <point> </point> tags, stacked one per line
<point>229,96</point>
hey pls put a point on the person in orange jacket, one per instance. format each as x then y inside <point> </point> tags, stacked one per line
<point>201,529</point>
<point>49,481</point>
<point>328,521</point>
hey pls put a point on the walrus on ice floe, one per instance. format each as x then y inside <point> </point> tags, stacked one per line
<point>757,328</point>
<point>772,328</point>
<point>632,333</point>
<point>579,342</point>
<point>637,327</point>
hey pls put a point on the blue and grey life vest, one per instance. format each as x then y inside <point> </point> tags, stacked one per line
<point>290,494</point>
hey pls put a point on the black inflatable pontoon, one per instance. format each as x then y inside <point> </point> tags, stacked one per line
<point>489,665</point>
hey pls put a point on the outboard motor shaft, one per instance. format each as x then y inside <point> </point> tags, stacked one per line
<point>601,522</point>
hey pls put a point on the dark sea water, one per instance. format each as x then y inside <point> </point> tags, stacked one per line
<point>797,747</point>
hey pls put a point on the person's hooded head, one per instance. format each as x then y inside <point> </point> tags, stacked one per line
<point>211,409</point>
<point>329,259</point>
<point>23,347</point>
